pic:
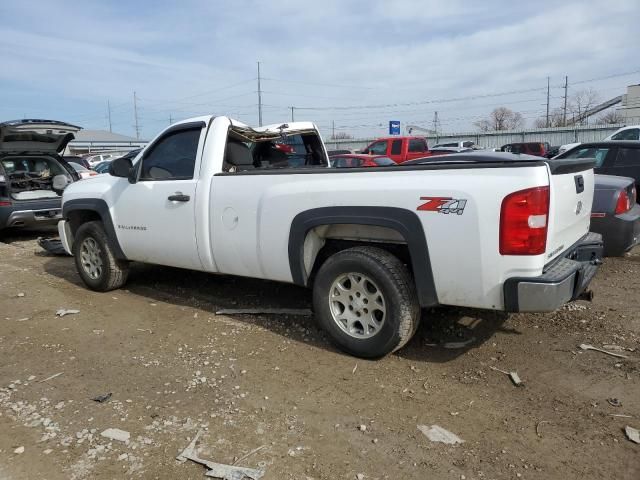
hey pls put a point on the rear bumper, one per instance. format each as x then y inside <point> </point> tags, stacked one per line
<point>619,232</point>
<point>563,280</point>
<point>31,214</point>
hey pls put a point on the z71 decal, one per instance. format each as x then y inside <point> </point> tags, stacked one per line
<point>444,205</point>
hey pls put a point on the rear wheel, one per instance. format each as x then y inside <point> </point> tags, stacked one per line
<point>95,259</point>
<point>365,298</point>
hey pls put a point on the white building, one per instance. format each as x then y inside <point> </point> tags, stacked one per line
<point>630,107</point>
<point>88,141</point>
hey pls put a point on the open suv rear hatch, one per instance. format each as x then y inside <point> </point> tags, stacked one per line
<point>28,163</point>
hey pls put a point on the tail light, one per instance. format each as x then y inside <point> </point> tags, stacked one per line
<point>523,222</point>
<point>5,204</point>
<point>625,201</point>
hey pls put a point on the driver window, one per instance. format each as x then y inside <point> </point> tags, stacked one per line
<point>378,148</point>
<point>173,157</point>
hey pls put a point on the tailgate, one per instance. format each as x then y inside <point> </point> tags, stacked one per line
<point>572,183</point>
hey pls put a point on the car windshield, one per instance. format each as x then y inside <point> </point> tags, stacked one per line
<point>589,152</point>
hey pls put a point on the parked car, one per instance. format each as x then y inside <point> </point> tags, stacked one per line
<point>399,149</point>
<point>76,159</point>
<point>632,132</point>
<point>465,144</point>
<point>613,157</point>
<point>538,149</point>
<point>615,214</point>
<point>566,147</point>
<point>375,245</point>
<point>360,160</point>
<point>32,175</point>
<point>103,167</point>
<point>83,172</point>
<point>102,157</point>
<point>447,150</point>
<point>553,151</point>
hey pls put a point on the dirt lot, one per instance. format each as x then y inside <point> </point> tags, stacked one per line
<point>173,367</point>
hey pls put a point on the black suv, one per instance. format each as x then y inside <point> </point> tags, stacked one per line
<point>613,157</point>
<point>32,175</point>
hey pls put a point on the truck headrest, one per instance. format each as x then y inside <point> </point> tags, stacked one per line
<point>238,154</point>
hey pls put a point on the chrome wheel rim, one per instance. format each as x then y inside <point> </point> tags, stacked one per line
<point>90,258</point>
<point>357,305</point>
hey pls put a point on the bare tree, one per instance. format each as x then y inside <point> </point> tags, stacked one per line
<point>341,136</point>
<point>502,118</point>
<point>580,103</point>
<point>555,119</point>
<point>611,117</point>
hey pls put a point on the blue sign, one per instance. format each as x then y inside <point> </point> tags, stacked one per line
<point>394,127</point>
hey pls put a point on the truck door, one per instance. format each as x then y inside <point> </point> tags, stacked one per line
<point>396,150</point>
<point>154,218</point>
<point>417,148</point>
<point>377,148</point>
<point>625,163</point>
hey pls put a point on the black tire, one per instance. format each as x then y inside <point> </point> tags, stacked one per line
<point>113,272</point>
<point>391,278</point>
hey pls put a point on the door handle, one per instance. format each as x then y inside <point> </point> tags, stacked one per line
<point>179,197</point>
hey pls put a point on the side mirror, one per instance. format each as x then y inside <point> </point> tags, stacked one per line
<point>123,168</point>
<point>59,183</point>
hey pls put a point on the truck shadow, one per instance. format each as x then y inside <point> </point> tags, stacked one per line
<point>445,333</point>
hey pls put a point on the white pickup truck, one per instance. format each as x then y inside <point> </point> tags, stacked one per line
<point>487,230</point>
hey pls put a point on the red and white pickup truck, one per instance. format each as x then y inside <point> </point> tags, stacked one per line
<point>399,149</point>
<point>376,244</point>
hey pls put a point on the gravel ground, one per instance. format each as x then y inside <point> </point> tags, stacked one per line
<point>173,367</point>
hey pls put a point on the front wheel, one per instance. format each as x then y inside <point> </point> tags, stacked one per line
<point>365,298</point>
<point>95,259</point>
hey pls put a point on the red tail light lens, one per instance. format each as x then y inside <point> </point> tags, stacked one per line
<point>524,219</point>
<point>624,203</point>
<point>5,204</point>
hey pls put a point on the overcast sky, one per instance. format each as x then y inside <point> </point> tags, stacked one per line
<point>358,64</point>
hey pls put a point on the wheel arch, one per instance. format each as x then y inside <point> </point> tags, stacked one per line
<point>303,253</point>
<point>80,211</point>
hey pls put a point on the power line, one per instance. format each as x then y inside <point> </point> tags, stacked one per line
<point>424,102</point>
<point>359,87</point>
<point>207,92</point>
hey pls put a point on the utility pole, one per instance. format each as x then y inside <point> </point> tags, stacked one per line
<point>259,98</point>
<point>564,111</point>
<point>548,87</point>
<point>109,114</point>
<point>435,125</point>
<point>135,115</point>
<point>292,118</point>
<point>333,132</point>
<point>170,119</point>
